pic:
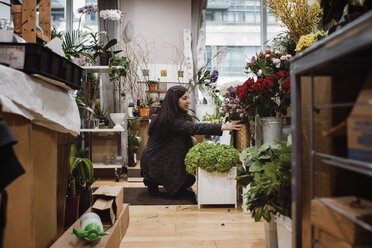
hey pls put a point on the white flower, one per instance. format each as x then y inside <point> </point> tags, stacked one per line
<point>267,55</point>
<point>259,72</point>
<point>276,61</point>
<point>283,58</point>
<point>110,14</point>
<point>288,56</point>
<point>278,65</point>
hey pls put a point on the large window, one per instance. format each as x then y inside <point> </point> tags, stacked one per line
<point>235,61</point>
<point>235,11</point>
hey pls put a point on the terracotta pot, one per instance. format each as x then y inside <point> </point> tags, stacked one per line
<point>152,87</point>
<point>16,10</point>
<point>144,112</point>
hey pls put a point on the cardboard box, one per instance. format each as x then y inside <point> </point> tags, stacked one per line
<point>339,226</point>
<point>32,197</point>
<point>112,240</point>
<point>359,125</point>
<point>108,203</point>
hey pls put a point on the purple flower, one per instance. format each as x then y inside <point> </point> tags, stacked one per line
<point>214,76</point>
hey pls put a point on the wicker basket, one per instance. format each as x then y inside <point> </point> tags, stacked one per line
<point>243,137</point>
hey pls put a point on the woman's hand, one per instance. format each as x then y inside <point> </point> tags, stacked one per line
<point>194,141</point>
<point>231,126</point>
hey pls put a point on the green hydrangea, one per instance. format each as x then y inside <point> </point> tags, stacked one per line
<point>210,157</point>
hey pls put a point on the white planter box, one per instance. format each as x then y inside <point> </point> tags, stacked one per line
<point>284,228</point>
<point>217,188</point>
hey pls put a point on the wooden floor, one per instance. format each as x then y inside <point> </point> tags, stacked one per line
<point>188,226</point>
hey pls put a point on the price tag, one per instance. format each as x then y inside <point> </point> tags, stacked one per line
<point>14,56</point>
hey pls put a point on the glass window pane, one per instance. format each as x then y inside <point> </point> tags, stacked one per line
<point>85,18</point>
<point>58,15</point>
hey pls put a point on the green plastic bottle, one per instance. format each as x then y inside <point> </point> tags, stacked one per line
<point>91,226</point>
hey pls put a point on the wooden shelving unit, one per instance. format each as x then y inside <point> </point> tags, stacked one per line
<point>327,79</point>
<point>28,30</point>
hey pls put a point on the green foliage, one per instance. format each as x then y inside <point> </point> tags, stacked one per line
<point>97,48</point>
<point>152,82</point>
<point>283,42</point>
<point>101,113</point>
<point>269,171</point>
<point>119,66</point>
<point>81,170</point>
<point>134,141</point>
<point>73,44</point>
<point>209,157</point>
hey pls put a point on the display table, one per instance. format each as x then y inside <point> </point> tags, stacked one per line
<point>43,118</point>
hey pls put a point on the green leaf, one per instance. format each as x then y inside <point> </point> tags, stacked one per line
<point>255,167</point>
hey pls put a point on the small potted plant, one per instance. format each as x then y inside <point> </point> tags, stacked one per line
<point>102,114</point>
<point>152,85</point>
<point>134,142</point>
<point>79,185</point>
<point>99,50</point>
<point>216,165</point>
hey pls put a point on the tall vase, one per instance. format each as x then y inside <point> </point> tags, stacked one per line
<point>243,137</point>
<point>272,129</point>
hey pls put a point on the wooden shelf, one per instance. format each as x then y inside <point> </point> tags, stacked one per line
<point>156,91</point>
<point>102,130</point>
<point>42,36</point>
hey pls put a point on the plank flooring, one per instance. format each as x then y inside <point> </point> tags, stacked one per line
<point>187,226</point>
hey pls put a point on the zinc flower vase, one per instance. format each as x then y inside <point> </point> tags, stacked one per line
<point>272,129</point>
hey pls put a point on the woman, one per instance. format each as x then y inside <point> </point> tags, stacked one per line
<point>170,138</point>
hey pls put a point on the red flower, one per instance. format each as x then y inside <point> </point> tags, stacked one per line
<point>286,85</point>
<point>257,86</point>
<point>242,91</point>
<point>249,81</point>
<point>268,84</point>
<point>282,73</point>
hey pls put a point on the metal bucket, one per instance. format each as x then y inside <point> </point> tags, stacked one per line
<point>272,128</point>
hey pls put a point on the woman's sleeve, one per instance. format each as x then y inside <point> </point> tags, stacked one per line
<point>191,128</point>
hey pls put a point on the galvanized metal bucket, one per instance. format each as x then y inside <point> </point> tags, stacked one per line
<point>272,128</point>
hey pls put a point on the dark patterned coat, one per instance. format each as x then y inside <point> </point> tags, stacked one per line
<point>163,162</point>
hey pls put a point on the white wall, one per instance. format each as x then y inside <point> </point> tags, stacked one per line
<point>159,23</point>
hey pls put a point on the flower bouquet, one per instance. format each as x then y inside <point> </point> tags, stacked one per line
<point>269,94</point>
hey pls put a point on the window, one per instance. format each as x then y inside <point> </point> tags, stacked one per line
<point>58,14</point>
<point>238,11</point>
<point>234,63</point>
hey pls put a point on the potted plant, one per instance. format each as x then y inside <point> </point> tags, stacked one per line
<point>100,50</point>
<point>268,171</point>
<point>134,142</point>
<point>80,180</point>
<point>102,114</point>
<point>216,165</point>
<point>144,106</point>
<point>119,66</point>
<point>152,85</point>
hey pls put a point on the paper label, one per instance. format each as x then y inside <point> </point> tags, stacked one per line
<point>14,56</point>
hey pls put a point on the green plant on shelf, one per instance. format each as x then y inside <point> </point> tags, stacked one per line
<point>81,170</point>
<point>102,114</point>
<point>119,66</point>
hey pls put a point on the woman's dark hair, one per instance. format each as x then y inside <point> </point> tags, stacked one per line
<point>161,127</point>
